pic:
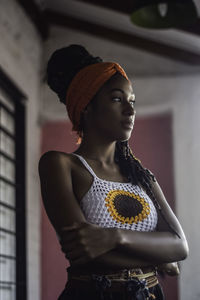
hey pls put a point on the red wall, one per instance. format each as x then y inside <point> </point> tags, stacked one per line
<point>152,143</point>
<point>54,136</point>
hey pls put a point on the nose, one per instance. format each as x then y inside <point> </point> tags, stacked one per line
<point>129,108</point>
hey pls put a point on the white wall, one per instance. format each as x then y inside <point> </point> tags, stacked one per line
<point>20,58</point>
<point>181,95</point>
<point>187,170</point>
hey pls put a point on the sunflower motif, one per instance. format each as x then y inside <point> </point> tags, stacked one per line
<point>126,207</point>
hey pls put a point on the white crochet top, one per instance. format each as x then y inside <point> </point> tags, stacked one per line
<point>116,204</point>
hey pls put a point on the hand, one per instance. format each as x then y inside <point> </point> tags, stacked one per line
<point>83,242</point>
<point>170,269</point>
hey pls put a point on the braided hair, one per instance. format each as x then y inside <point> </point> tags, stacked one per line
<point>62,66</point>
<point>132,168</point>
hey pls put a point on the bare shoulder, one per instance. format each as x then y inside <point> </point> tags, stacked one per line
<point>55,169</point>
<point>57,162</point>
<point>54,159</point>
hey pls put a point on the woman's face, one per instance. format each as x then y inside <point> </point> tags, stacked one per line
<point>112,111</point>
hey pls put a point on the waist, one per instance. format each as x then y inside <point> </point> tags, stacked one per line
<point>90,269</point>
<point>117,279</point>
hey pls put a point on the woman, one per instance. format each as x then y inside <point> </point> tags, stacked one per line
<point>111,217</point>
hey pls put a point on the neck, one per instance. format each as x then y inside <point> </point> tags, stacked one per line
<point>97,149</point>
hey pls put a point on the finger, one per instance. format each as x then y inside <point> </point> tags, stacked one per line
<point>81,260</point>
<point>74,255</point>
<point>173,272</point>
<point>71,227</point>
<point>70,247</point>
<point>68,238</point>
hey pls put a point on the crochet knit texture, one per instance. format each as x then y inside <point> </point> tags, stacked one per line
<point>116,204</point>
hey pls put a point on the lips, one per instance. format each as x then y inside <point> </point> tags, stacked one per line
<point>128,124</point>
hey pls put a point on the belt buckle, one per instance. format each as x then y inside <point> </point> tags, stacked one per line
<point>135,272</point>
<point>129,274</point>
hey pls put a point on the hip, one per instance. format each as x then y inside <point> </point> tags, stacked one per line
<point>127,285</point>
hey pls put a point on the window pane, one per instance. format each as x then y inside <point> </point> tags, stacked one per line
<point>7,144</point>
<point>6,101</point>
<point>7,121</point>
<point>7,218</point>
<point>7,244</point>
<point>7,292</point>
<point>7,267</point>
<point>7,193</point>
<point>7,169</point>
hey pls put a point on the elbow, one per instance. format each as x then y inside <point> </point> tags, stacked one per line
<point>182,250</point>
<point>179,250</point>
<point>185,250</point>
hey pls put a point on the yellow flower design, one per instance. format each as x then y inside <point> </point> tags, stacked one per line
<point>126,207</point>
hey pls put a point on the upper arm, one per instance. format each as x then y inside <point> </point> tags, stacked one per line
<point>57,192</point>
<point>167,219</point>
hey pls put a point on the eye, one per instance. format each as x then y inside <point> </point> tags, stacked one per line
<point>116,99</point>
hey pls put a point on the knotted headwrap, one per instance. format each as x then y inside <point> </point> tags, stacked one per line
<point>85,85</point>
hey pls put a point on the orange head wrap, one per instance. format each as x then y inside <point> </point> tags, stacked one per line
<point>85,85</point>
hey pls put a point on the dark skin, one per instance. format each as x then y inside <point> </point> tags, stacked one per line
<point>64,182</point>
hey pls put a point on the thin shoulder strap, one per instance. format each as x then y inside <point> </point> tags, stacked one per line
<point>84,162</point>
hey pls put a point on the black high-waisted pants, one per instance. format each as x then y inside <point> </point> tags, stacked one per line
<point>128,291</point>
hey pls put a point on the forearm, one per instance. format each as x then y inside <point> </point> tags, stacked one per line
<point>86,242</point>
<point>149,249</point>
<point>156,247</point>
<point>167,244</point>
<point>117,260</point>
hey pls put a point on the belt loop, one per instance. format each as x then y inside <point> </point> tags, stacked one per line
<point>127,274</point>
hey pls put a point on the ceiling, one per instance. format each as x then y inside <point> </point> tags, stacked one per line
<point>105,25</point>
<point>126,8</point>
<point>110,20</point>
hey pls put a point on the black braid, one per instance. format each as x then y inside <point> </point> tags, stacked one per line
<point>132,168</point>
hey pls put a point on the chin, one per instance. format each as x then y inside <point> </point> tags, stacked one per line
<point>124,138</point>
